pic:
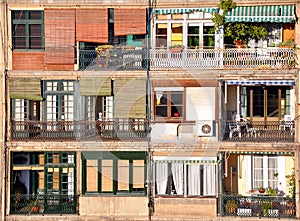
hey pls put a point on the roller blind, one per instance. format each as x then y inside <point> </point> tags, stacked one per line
<point>59,36</point>
<point>25,88</point>
<point>92,25</point>
<point>130,97</point>
<point>95,86</point>
<point>129,21</point>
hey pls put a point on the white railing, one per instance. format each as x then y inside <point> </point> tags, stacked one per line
<point>256,58</point>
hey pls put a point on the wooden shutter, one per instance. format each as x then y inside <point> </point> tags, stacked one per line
<point>92,175</point>
<point>107,176</point>
<point>138,176</point>
<point>130,97</point>
<point>123,175</point>
<point>129,21</point>
<point>59,36</point>
<point>95,87</point>
<point>25,88</point>
<point>92,25</point>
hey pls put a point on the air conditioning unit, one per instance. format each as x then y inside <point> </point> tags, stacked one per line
<point>205,128</point>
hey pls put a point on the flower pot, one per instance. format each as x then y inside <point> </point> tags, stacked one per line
<point>36,209</point>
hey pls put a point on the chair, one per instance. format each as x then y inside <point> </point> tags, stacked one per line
<point>287,123</point>
<point>235,128</point>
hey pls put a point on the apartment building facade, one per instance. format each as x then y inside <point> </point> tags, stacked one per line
<point>140,110</point>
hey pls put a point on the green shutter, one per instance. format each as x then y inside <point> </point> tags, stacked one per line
<point>130,97</point>
<point>25,88</point>
<point>95,86</point>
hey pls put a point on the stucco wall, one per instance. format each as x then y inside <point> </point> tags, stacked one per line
<point>185,207</point>
<point>105,206</point>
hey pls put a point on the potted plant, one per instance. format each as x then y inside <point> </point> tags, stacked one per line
<point>289,43</point>
<point>176,48</point>
<point>240,32</point>
<point>231,207</point>
<point>261,189</point>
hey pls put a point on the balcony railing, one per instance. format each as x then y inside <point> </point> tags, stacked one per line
<point>258,131</point>
<point>129,59</point>
<point>43,204</point>
<point>117,129</point>
<point>113,59</point>
<point>258,206</point>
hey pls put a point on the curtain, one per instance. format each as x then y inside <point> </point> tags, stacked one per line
<point>209,180</point>
<point>177,172</point>
<point>161,172</point>
<point>257,171</point>
<point>194,179</point>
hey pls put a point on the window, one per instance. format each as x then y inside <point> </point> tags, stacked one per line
<point>266,101</point>
<point>114,172</point>
<point>169,104</point>
<point>59,97</point>
<point>175,177</point>
<point>265,171</point>
<point>39,173</point>
<point>28,30</point>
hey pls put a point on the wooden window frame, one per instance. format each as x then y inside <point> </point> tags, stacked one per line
<point>27,21</point>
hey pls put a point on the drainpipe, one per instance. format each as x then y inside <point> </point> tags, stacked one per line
<point>148,116</point>
<point>4,36</point>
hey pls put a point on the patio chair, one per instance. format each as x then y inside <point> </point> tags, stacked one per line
<point>287,123</point>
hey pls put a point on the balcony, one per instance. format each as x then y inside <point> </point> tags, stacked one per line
<point>127,129</point>
<point>258,131</point>
<point>160,59</point>
<point>43,204</point>
<point>258,206</point>
<point>257,58</point>
<point>113,59</point>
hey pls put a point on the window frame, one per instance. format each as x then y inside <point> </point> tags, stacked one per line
<point>115,157</point>
<point>169,92</point>
<point>186,179</point>
<point>27,22</point>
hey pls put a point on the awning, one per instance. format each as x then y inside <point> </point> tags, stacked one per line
<point>261,82</point>
<point>260,152</point>
<point>164,11</point>
<point>25,88</point>
<point>202,160</point>
<point>263,13</point>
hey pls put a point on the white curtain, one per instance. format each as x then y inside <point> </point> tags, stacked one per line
<point>258,171</point>
<point>194,179</point>
<point>209,179</point>
<point>161,171</point>
<point>177,172</point>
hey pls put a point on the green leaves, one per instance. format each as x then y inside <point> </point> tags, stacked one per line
<point>237,30</point>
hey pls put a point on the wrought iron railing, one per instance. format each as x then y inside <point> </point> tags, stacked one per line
<point>233,58</point>
<point>258,131</point>
<point>43,204</point>
<point>114,59</point>
<point>258,206</point>
<point>116,129</point>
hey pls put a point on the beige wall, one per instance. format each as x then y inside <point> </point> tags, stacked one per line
<point>114,206</point>
<point>185,207</point>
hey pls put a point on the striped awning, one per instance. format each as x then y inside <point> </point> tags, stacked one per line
<point>261,82</point>
<point>260,152</point>
<point>200,160</point>
<point>164,11</point>
<point>263,13</point>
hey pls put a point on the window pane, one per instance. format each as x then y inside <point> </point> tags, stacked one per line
<point>161,111</point>
<point>123,175</point>
<point>92,175</point>
<point>176,98</point>
<point>176,35</point>
<point>161,35</point>
<point>107,175</point>
<point>19,30</point>
<point>18,15</point>
<point>138,174</point>
<point>35,14</point>
<point>193,36</point>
